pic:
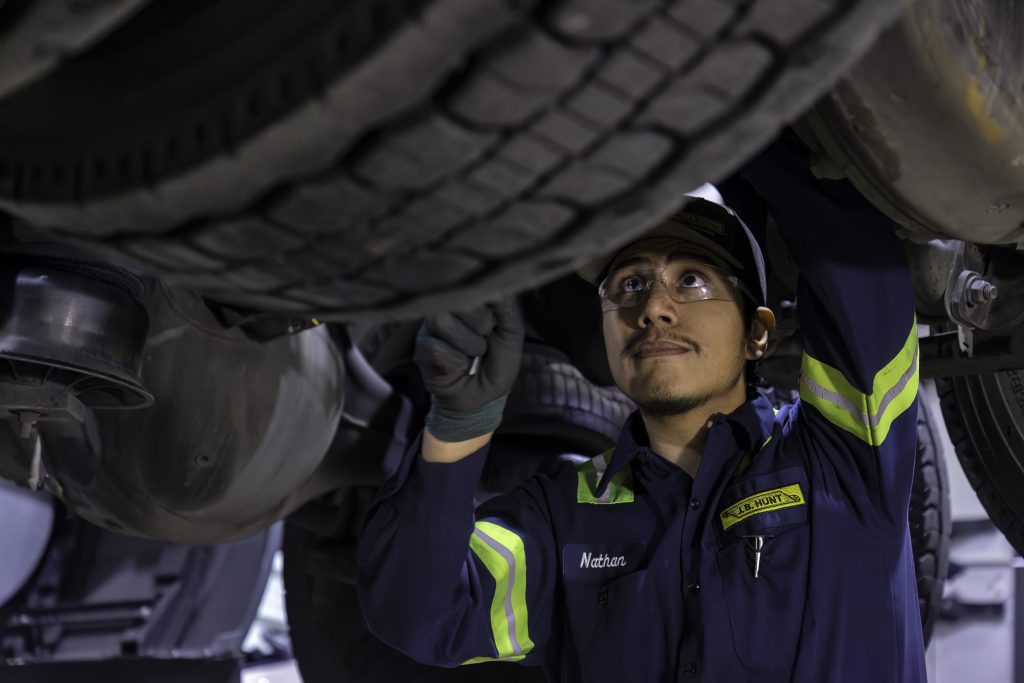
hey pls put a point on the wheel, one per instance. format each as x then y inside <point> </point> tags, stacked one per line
<point>985,418</point>
<point>930,524</point>
<point>947,118</point>
<point>552,398</point>
<point>402,156</point>
<point>37,37</point>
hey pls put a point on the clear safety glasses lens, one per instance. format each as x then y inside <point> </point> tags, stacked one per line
<point>685,282</point>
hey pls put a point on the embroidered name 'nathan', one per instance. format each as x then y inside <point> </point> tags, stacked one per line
<point>601,560</point>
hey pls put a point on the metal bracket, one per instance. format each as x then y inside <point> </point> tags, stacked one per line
<point>32,403</point>
<point>969,296</point>
<point>942,354</point>
<point>965,338</point>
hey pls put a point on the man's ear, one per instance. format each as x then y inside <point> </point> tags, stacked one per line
<point>764,325</point>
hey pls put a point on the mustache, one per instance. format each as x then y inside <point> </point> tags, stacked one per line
<point>643,336</point>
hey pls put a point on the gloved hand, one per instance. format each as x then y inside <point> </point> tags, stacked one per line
<point>466,405</point>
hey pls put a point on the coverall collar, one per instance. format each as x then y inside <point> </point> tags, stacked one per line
<point>750,425</point>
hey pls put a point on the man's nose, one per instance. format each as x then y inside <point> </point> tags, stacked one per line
<point>658,309</point>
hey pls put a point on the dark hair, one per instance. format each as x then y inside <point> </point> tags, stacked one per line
<point>748,309</point>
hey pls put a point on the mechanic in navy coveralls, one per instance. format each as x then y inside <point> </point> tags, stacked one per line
<point>718,541</point>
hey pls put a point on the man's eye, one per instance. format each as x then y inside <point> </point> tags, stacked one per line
<point>631,284</point>
<point>693,279</point>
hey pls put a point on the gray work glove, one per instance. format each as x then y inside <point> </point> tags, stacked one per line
<point>464,405</point>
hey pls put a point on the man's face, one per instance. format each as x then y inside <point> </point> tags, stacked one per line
<point>668,356</point>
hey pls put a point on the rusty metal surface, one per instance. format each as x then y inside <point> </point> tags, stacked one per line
<point>930,125</point>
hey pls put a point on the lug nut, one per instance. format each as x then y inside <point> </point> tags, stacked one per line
<point>981,291</point>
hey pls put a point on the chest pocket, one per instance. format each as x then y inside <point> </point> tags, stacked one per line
<point>610,620</point>
<point>770,614</point>
<point>612,603</point>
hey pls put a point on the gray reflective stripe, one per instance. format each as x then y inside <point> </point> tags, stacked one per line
<point>846,404</point>
<point>510,559</point>
<point>600,464</point>
<point>894,392</point>
<point>835,399</point>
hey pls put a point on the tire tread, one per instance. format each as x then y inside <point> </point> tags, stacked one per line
<point>602,109</point>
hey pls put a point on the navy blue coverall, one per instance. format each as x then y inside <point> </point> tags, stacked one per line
<point>626,569</point>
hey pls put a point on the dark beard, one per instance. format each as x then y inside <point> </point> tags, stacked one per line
<point>659,406</point>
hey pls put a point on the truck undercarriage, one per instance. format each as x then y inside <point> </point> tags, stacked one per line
<point>212,266</point>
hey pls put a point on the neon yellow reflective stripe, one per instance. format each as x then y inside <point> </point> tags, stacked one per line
<point>620,488</point>
<point>586,483</point>
<point>837,408</point>
<point>902,399</point>
<point>514,543</point>
<point>588,476</point>
<point>480,660</point>
<point>503,553</point>
<point>866,416</point>
<point>747,458</point>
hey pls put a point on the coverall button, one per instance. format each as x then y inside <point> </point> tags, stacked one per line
<point>694,587</point>
<point>690,669</point>
<point>694,503</point>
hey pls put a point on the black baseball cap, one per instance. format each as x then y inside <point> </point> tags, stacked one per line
<point>714,229</point>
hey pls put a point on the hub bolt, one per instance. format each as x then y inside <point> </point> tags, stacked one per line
<point>981,291</point>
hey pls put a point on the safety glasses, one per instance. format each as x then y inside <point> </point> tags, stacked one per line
<point>685,281</point>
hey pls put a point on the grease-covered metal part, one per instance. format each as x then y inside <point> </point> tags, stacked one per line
<point>930,124</point>
<point>985,288</point>
<point>234,441</point>
<point>71,331</point>
<point>930,265</point>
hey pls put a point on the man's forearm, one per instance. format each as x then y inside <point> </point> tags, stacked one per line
<point>436,450</point>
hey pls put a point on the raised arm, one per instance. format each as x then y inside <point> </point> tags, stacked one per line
<point>439,581</point>
<point>859,374</point>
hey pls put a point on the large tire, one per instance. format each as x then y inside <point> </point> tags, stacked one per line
<point>552,397</point>
<point>930,525</point>
<point>393,152</point>
<point>37,36</point>
<point>985,418</point>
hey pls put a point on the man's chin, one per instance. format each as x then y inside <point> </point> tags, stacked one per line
<point>662,381</point>
<point>664,406</point>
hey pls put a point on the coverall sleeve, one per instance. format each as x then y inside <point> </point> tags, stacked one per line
<point>448,585</point>
<point>859,371</point>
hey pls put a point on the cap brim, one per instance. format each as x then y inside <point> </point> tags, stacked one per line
<point>592,271</point>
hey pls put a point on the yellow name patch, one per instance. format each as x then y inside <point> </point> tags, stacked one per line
<point>762,501</point>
